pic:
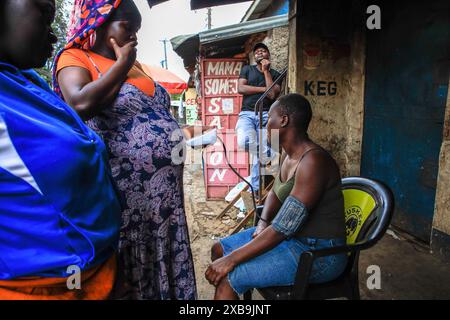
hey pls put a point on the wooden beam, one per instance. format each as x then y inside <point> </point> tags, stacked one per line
<point>243,222</point>
<point>248,200</point>
<point>231,204</point>
<point>251,212</point>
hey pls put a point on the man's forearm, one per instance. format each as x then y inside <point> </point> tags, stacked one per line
<point>272,94</point>
<point>247,90</point>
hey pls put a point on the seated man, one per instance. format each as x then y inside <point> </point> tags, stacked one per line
<point>59,212</point>
<point>303,211</point>
<point>254,80</point>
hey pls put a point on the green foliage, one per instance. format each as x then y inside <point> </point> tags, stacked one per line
<point>175,96</point>
<point>60,29</point>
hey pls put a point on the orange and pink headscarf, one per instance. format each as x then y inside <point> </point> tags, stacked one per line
<point>87,16</point>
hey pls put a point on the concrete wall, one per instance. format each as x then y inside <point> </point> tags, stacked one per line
<point>328,44</point>
<point>330,73</point>
<point>277,42</point>
<point>293,47</point>
<point>354,113</point>
<point>442,212</point>
<point>441,221</point>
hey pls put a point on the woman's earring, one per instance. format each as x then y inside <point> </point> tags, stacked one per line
<point>92,39</point>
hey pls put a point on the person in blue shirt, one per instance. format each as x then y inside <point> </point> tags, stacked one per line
<point>59,210</point>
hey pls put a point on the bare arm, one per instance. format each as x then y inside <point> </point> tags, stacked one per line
<point>268,239</point>
<point>271,207</point>
<point>245,89</point>
<point>275,91</point>
<point>310,181</point>
<point>89,97</point>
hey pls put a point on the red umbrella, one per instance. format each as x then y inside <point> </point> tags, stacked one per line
<point>170,81</point>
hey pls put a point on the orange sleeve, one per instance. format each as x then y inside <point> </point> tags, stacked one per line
<point>73,58</point>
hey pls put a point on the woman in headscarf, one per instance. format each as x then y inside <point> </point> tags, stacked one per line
<point>98,75</point>
<point>59,212</point>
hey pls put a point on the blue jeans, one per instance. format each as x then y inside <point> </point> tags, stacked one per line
<point>278,266</point>
<point>247,129</point>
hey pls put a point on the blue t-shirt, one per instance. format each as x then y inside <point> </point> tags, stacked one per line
<point>58,204</point>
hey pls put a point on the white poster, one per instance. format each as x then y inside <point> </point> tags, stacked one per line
<point>227,106</point>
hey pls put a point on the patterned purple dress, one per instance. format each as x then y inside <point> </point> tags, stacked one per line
<point>154,249</point>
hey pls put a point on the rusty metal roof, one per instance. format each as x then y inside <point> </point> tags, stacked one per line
<point>243,28</point>
<point>188,46</point>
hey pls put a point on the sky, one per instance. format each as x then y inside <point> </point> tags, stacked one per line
<point>174,18</point>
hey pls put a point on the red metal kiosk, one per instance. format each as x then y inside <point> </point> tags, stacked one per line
<point>221,104</point>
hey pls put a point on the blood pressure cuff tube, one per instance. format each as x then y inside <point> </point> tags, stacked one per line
<point>290,217</point>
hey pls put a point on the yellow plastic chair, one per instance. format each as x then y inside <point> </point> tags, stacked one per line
<point>369,206</point>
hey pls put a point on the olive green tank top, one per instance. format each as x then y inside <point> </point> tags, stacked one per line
<point>327,219</point>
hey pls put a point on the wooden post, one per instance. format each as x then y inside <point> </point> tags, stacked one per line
<point>231,204</point>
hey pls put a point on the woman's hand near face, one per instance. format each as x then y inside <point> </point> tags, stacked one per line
<point>126,54</point>
<point>219,269</point>
<point>89,97</point>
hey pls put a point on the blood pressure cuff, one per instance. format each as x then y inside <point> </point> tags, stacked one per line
<point>291,216</point>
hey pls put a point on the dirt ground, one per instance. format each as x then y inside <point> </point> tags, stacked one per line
<point>408,269</point>
<point>204,228</point>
